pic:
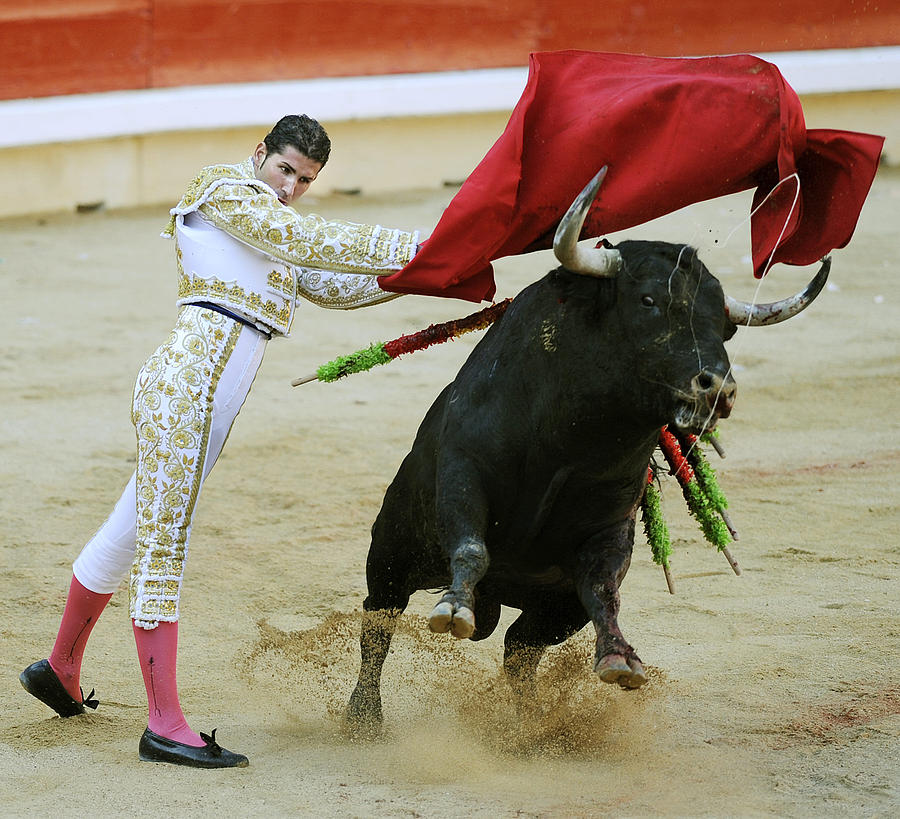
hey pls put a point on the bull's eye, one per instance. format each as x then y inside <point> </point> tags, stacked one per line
<point>647,301</point>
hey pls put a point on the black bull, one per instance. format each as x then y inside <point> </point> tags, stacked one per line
<point>523,482</point>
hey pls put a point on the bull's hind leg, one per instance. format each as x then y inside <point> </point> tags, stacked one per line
<point>461,515</point>
<point>547,622</point>
<point>601,566</point>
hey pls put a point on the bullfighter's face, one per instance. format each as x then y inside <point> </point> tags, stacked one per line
<point>289,173</point>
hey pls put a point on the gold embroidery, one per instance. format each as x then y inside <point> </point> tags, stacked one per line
<point>331,263</point>
<point>202,186</point>
<point>274,314</point>
<point>340,291</point>
<point>172,414</point>
<point>233,199</point>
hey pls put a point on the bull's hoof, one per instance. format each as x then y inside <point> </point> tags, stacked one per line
<point>615,669</point>
<point>459,622</point>
<point>363,731</point>
<point>362,717</point>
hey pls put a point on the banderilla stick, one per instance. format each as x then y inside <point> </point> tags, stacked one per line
<point>670,580</point>
<point>720,450</point>
<point>731,560</point>
<point>378,353</point>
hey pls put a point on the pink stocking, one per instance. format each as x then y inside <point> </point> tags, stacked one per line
<point>83,608</point>
<point>158,653</point>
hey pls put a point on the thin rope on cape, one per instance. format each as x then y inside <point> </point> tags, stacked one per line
<point>733,358</point>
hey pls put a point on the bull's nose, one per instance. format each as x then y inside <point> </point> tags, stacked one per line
<point>719,392</point>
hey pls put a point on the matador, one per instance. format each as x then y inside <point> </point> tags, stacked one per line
<point>245,259</point>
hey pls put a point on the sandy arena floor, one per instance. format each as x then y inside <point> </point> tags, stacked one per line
<point>773,693</point>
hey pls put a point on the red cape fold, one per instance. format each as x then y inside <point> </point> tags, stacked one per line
<point>673,132</point>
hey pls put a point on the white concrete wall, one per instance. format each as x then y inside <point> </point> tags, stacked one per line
<point>126,149</point>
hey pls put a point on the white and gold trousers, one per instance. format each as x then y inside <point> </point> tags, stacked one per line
<point>186,398</point>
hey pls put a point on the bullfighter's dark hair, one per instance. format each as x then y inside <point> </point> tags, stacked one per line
<point>301,132</point>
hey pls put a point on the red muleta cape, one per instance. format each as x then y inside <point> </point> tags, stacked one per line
<point>673,132</point>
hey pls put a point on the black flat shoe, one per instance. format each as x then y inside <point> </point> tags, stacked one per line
<point>40,680</point>
<point>154,748</point>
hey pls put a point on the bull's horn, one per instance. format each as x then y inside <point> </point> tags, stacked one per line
<point>591,261</point>
<point>744,314</point>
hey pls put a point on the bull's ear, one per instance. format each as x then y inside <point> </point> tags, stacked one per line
<point>574,286</point>
<point>730,330</point>
<point>565,284</point>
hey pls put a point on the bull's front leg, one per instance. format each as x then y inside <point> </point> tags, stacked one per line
<point>387,579</point>
<point>601,566</point>
<point>362,718</point>
<point>461,519</point>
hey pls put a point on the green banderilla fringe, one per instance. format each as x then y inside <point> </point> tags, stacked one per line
<point>703,511</point>
<point>706,477</point>
<point>356,362</point>
<point>655,526</point>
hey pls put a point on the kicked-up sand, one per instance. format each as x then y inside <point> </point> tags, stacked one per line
<point>773,693</point>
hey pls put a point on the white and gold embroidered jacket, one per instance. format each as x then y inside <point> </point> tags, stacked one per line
<point>237,246</point>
